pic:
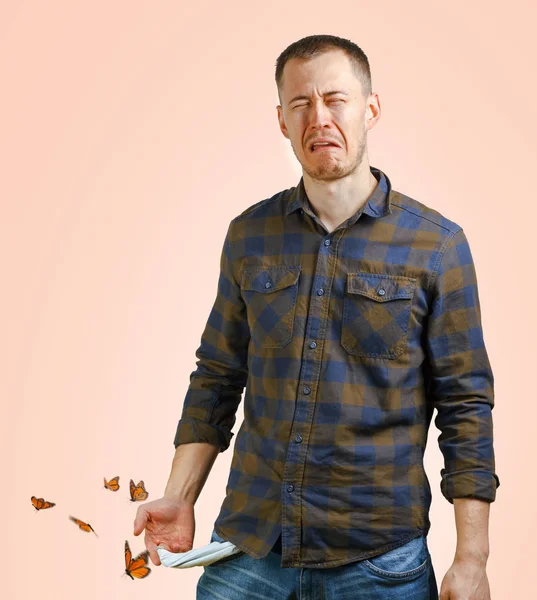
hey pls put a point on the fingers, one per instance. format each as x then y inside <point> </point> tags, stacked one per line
<point>153,554</point>
<point>140,520</point>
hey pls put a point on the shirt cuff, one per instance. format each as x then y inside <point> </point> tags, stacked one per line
<point>191,430</point>
<point>469,484</point>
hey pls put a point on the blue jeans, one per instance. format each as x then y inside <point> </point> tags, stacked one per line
<point>404,573</point>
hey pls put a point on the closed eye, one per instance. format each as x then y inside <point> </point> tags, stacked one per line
<point>330,101</point>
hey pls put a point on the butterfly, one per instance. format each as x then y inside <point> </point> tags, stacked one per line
<point>113,484</point>
<point>135,567</point>
<point>39,503</point>
<point>84,526</point>
<point>138,492</point>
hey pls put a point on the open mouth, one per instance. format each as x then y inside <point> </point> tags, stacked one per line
<point>320,147</point>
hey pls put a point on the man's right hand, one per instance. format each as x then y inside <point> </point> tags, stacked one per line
<point>168,523</point>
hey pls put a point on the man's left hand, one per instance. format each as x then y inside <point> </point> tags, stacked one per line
<point>465,580</point>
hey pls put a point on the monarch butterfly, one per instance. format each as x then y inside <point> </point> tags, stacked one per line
<point>112,485</point>
<point>138,492</point>
<point>135,567</point>
<point>84,526</point>
<point>39,503</point>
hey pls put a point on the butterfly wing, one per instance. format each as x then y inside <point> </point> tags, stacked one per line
<point>140,492</point>
<point>128,555</point>
<point>140,560</point>
<point>40,503</point>
<point>113,484</point>
<point>84,526</point>
<point>140,572</point>
<point>138,568</point>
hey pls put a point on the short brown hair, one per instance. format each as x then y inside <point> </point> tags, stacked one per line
<point>313,45</point>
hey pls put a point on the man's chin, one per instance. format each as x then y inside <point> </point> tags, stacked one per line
<point>328,173</point>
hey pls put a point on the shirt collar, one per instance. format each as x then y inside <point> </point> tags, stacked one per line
<point>378,204</point>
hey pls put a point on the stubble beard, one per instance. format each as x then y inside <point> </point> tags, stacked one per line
<point>330,168</point>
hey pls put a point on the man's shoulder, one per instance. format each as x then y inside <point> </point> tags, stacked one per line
<point>266,207</point>
<point>432,217</point>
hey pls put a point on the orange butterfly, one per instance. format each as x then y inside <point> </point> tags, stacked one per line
<point>135,567</point>
<point>138,492</point>
<point>39,503</point>
<point>84,526</point>
<point>112,485</point>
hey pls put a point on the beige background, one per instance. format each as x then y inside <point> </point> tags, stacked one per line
<point>130,137</point>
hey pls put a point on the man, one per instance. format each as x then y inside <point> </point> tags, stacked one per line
<point>349,311</point>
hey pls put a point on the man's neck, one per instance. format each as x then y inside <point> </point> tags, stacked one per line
<point>335,201</point>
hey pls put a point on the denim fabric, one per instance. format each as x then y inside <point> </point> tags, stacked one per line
<point>404,573</point>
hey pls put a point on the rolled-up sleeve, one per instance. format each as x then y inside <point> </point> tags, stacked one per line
<point>216,386</point>
<point>461,382</point>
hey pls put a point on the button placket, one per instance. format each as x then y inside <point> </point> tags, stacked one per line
<point>309,375</point>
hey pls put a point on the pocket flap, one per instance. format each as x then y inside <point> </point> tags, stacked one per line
<point>268,279</point>
<point>381,287</point>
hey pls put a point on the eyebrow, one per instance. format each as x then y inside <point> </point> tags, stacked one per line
<point>330,93</point>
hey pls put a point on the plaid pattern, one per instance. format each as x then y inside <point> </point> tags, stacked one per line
<point>345,342</point>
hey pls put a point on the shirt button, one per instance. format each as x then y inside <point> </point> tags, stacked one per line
<point>306,390</point>
<point>268,284</point>
<point>301,211</point>
<point>298,439</point>
<point>381,292</point>
<point>327,242</point>
<point>290,488</point>
<point>320,292</point>
<point>313,345</point>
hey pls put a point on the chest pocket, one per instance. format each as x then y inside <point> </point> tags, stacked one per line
<point>270,295</point>
<point>376,314</point>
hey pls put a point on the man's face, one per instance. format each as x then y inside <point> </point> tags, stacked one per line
<point>342,117</point>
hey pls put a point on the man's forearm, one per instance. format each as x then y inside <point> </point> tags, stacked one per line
<point>191,466</point>
<point>472,522</point>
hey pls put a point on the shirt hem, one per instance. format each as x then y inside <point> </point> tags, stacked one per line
<point>331,563</point>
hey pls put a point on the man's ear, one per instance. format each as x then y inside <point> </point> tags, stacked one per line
<point>281,122</point>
